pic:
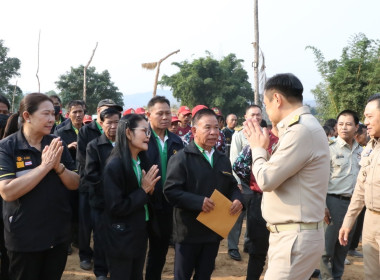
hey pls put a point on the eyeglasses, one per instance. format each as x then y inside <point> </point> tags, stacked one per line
<point>147,131</point>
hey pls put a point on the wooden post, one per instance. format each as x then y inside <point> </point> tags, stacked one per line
<point>85,72</point>
<point>38,61</point>
<point>256,47</point>
<point>152,65</point>
<point>13,97</point>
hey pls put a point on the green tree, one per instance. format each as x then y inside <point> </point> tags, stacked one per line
<point>207,81</point>
<point>9,67</point>
<point>349,81</point>
<point>99,86</point>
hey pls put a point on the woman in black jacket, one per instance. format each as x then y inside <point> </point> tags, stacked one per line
<point>127,190</point>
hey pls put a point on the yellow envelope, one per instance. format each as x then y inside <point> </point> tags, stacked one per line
<point>219,220</point>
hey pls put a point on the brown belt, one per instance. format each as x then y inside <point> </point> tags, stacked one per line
<point>374,211</point>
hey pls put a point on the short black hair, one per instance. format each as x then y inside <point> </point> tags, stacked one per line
<point>253,106</point>
<point>74,103</point>
<point>374,97</point>
<point>201,113</point>
<point>109,112</point>
<point>158,99</point>
<point>331,123</point>
<point>287,84</point>
<point>57,97</point>
<point>361,129</point>
<point>328,129</point>
<point>349,112</point>
<point>220,118</point>
<point>4,100</point>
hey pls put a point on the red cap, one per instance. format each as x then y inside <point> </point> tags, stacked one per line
<point>217,111</point>
<point>175,119</point>
<point>87,119</point>
<point>184,110</point>
<point>197,108</point>
<point>129,111</point>
<point>140,111</point>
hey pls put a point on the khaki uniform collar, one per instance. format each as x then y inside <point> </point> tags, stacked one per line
<point>291,119</point>
<point>343,143</point>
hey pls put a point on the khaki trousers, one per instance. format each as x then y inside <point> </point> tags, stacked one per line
<point>293,255</point>
<point>371,243</point>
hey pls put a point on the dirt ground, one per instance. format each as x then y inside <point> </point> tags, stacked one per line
<point>225,269</point>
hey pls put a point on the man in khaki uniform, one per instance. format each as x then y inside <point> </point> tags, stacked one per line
<point>344,168</point>
<point>294,180</point>
<point>367,193</point>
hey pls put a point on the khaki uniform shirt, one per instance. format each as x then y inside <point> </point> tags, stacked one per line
<point>344,167</point>
<point>294,180</point>
<point>367,189</point>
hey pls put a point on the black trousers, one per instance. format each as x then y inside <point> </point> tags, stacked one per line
<point>85,227</point>
<point>197,258</point>
<point>126,269</point>
<point>74,203</point>
<point>100,260</point>
<point>258,235</point>
<point>159,244</point>
<point>44,265</point>
<point>4,263</point>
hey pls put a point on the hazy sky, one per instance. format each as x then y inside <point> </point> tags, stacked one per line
<point>132,32</point>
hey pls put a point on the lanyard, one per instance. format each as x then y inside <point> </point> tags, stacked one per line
<point>138,173</point>
<point>163,155</point>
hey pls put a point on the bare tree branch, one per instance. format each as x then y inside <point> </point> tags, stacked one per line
<point>85,72</point>
<point>153,65</point>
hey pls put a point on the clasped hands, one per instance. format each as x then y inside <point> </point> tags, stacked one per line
<point>51,155</point>
<point>149,179</point>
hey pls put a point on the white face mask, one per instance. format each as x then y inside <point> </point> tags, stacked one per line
<point>332,138</point>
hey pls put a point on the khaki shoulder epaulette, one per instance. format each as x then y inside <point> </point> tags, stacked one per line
<point>294,120</point>
<point>240,129</point>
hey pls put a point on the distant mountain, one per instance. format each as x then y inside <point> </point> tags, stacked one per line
<point>310,102</point>
<point>141,99</point>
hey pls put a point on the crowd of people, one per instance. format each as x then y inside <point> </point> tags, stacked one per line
<point>134,182</point>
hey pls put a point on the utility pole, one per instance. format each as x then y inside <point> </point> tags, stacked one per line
<point>256,47</point>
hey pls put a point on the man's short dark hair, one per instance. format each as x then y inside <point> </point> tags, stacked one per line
<point>158,99</point>
<point>328,130</point>
<point>361,129</point>
<point>4,100</point>
<point>74,103</point>
<point>109,112</point>
<point>351,113</point>
<point>57,97</point>
<point>287,84</point>
<point>331,123</point>
<point>201,113</point>
<point>253,106</point>
<point>220,118</point>
<point>374,97</point>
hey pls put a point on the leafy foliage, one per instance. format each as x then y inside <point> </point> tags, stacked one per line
<point>223,84</point>
<point>349,81</point>
<point>99,86</point>
<point>9,67</point>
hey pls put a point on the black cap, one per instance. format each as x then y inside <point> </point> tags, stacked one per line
<point>109,103</point>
